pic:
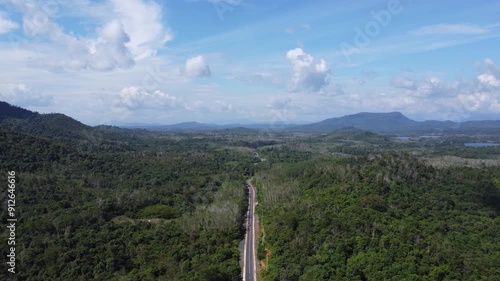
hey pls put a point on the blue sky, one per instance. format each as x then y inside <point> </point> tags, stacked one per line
<point>226,61</point>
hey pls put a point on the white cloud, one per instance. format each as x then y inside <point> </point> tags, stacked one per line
<point>433,96</point>
<point>489,79</point>
<point>142,21</point>
<point>462,28</point>
<point>6,25</point>
<point>23,95</point>
<point>134,98</point>
<point>110,52</point>
<point>132,31</point>
<point>197,67</point>
<point>474,101</point>
<point>222,106</point>
<point>430,86</point>
<point>307,75</point>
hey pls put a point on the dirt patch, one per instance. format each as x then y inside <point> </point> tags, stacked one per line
<point>262,265</point>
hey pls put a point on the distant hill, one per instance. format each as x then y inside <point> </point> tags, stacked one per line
<point>180,127</point>
<point>11,111</point>
<point>397,123</point>
<point>376,122</point>
<point>199,127</point>
<point>47,125</point>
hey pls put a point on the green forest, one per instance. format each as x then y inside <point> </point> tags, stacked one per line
<point>106,203</point>
<point>385,217</point>
<point>165,208</point>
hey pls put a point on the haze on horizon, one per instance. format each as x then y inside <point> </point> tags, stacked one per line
<point>230,61</point>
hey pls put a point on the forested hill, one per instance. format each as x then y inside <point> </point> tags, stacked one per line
<point>11,111</point>
<point>47,125</point>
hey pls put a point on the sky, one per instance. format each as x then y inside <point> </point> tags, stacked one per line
<point>243,61</point>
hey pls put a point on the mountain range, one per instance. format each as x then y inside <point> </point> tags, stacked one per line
<point>56,124</point>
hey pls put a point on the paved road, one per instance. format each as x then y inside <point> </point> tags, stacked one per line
<point>249,252</point>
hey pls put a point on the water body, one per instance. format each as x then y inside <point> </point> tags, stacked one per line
<point>481,144</point>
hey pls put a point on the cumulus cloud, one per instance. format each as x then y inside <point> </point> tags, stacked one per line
<point>307,75</point>
<point>484,92</point>
<point>23,95</point>
<point>489,79</point>
<point>431,86</point>
<point>6,25</point>
<point>432,95</point>
<point>109,51</point>
<point>197,67</point>
<point>133,30</point>
<point>142,21</point>
<point>134,98</point>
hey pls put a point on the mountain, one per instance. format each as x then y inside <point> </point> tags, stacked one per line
<point>397,123</point>
<point>375,122</point>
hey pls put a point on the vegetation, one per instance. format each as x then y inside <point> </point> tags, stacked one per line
<point>388,217</point>
<point>183,200</point>
<point>105,203</point>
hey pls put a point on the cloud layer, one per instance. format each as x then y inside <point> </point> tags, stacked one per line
<point>133,98</point>
<point>132,30</point>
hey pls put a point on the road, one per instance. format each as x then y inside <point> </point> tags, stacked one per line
<point>249,252</point>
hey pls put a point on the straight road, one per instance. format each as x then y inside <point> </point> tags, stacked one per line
<point>249,252</point>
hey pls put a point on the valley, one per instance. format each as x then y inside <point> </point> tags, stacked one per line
<point>108,203</point>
